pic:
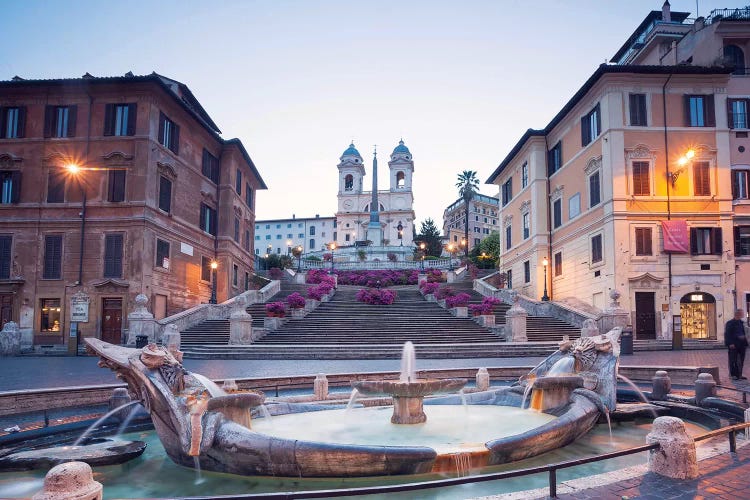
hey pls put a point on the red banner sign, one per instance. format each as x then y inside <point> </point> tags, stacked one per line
<point>676,237</point>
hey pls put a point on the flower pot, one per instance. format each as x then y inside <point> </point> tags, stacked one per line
<point>460,311</point>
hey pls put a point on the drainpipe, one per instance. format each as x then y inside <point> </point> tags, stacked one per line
<point>668,173</point>
<point>549,218</point>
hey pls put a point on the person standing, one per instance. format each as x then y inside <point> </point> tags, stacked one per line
<point>736,341</point>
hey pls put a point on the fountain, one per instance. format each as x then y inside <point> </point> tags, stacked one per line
<point>201,426</point>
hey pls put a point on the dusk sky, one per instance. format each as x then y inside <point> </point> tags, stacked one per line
<point>296,81</point>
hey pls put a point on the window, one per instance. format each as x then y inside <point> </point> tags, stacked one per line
<point>524,175</point>
<point>56,186</point>
<point>113,256</point>
<point>596,249</point>
<point>554,158</point>
<point>165,194</point>
<point>526,226</point>
<point>643,241</point>
<point>705,241</point>
<point>205,269</point>
<point>508,241</point>
<point>699,111</point>
<point>312,244</point>
<point>557,213</point>
<point>249,197</point>
<point>701,179</point>
<point>268,236</point>
<point>10,186</point>
<point>247,240</point>
<point>595,196</point>
<point>641,178</point>
<point>638,110</point>
<point>509,278</point>
<point>741,241</point>
<point>50,316</point>
<point>301,236</point>
<point>116,187</point>
<point>210,166</point>
<point>312,230</point>
<point>527,272</point>
<point>348,182</point>
<point>208,221</point>
<point>558,264</point>
<point>247,281</point>
<point>162,254</point>
<point>278,236</point>
<point>737,109</point>
<point>169,134</point>
<point>6,242</point>
<point>236,230</point>
<point>735,57</point>
<point>235,273</point>
<point>740,184</point>
<point>119,119</point>
<point>238,182</point>
<point>12,122</point>
<point>60,121</point>
<point>574,206</point>
<point>347,237</point>
<point>591,126</point>
<point>507,192</point>
<point>52,257</point>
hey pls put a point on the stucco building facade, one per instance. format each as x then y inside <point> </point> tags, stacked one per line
<point>483,220</point>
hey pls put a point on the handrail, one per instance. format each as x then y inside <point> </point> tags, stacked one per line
<point>733,389</point>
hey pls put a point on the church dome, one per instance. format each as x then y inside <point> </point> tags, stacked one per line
<point>351,151</point>
<point>401,148</point>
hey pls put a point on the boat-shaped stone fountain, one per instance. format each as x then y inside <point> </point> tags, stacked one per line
<point>202,427</point>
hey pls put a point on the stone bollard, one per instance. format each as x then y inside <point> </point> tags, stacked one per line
<point>483,379</point>
<point>320,387</point>
<point>515,322</point>
<point>240,323</point>
<point>676,457</point>
<point>70,481</point>
<point>10,339</point>
<point>704,387</point>
<point>661,385</point>
<point>229,385</point>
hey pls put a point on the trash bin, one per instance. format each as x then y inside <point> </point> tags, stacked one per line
<point>626,341</point>
<point>141,341</point>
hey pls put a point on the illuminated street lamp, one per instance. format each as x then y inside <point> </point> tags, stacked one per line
<point>75,170</point>
<point>545,263</point>
<point>421,249</point>
<point>452,251</point>
<point>214,266</point>
<point>332,246</point>
<point>297,252</point>
<point>465,247</point>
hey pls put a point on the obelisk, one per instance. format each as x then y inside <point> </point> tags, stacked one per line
<point>374,231</point>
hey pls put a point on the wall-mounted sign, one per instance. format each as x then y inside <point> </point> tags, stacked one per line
<point>186,249</point>
<point>79,308</point>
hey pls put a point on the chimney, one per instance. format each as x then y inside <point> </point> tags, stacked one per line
<point>294,216</point>
<point>666,13</point>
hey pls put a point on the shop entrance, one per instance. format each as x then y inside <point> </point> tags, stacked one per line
<point>698,314</point>
<point>112,321</point>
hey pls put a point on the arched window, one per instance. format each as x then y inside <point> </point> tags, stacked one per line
<point>312,230</point>
<point>735,57</point>
<point>400,179</point>
<point>348,182</point>
<point>698,316</point>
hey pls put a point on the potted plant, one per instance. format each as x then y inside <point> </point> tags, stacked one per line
<point>296,304</point>
<point>376,296</point>
<point>458,304</point>
<point>276,309</point>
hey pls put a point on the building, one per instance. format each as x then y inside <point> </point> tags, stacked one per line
<point>155,197</point>
<point>279,236</point>
<point>629,187</point>
<point>396,205</point>
<point>483,220</point>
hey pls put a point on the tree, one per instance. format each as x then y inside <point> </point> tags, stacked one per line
<point>467,185</point>
<point>430,235</point>
<point>485,254</point>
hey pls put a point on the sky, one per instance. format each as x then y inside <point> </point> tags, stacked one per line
<point>297,81</point>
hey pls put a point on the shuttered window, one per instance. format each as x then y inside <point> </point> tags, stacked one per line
<point>52,257</point>
<point>13,122</point>
<point>597,252</point>
<point>701,179</point>
<point>641,178</point>
<point>249,196</point>
<point>10,186</point>
<point>210,166</point>
<point>116,187</point>
<point>205,269</point>
<point>169,134</point>
<point>705,241</point>
<point>6,242</point>
<point>699,111</point>
<point>56,186</point>
<point>165,194</point>
<point>595,196</point>
<point>643,241</point>
<point>554,158</point>
<point>119,119</point>
<point>557,213</point>
<point>638,116</point>
<point>238,182</point>
<point>208,219</point>
<point>737,113</point>
<point>591,126</point>
<point>113,256</point>
<point>60,121</point>
<point>162,254</point>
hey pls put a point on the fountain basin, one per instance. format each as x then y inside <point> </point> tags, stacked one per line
<point>554,391</point>
<point>96,452</point>
<point>410,389</point>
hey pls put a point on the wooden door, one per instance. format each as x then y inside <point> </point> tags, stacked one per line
<point>112,321</point>
<point>645,315</point>
<point>160,306</point>
<point>6,308</point>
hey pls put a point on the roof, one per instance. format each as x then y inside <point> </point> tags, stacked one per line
<point>243,151</point>
<point>351,151</point>
<point>296,219</point>
<point>602,70</point>
<point>401,148</point>
<point>652,17</point>
<point>478,197</point>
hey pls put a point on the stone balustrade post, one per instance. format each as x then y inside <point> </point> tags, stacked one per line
<point>141,322</point>
<point>10,339</point>
<point>300,278</point>
<point>70,481</point>
<point>614,315</point>
<point>516,321</point>
<point>705,387</point>
<point>483,379</point>
<point>661,385</point>
<point>320,387</point>
<point>240,323</point>
<point>675,457</point>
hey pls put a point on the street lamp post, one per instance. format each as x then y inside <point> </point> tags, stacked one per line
<point>333,248</point>
<point>421,249</point>
<point>452,250</point>
<point>75,170</point>
<point>214,265</point>
<point>545,263</point>
<point>464,248</point>
<point>298,251</point>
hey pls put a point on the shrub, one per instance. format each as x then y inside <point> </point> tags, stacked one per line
<point>435,276</point>
<point>429,288</point>
<point>295,301</point>
<point>378,278</point>
<point>444,292</point>
<point>275,273</point>
<point>315,276</point>
<point>460,300</point>
<point>485,307</point>
<point>376,296</point>
<point>275,308</point>
<point>315,293</point>
<point>392,257</point>
<point>327,257</point>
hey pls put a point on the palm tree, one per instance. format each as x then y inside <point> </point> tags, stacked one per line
<point>467,185</point>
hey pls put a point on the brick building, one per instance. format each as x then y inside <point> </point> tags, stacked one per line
<point>158,195</point>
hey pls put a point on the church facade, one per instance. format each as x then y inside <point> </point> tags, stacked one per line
<point>393,210</point>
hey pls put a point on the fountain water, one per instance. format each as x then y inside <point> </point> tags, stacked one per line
<point>213,389</point>
<point>408,363</point>
<point>96,424</point>
<point>352,399</point>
